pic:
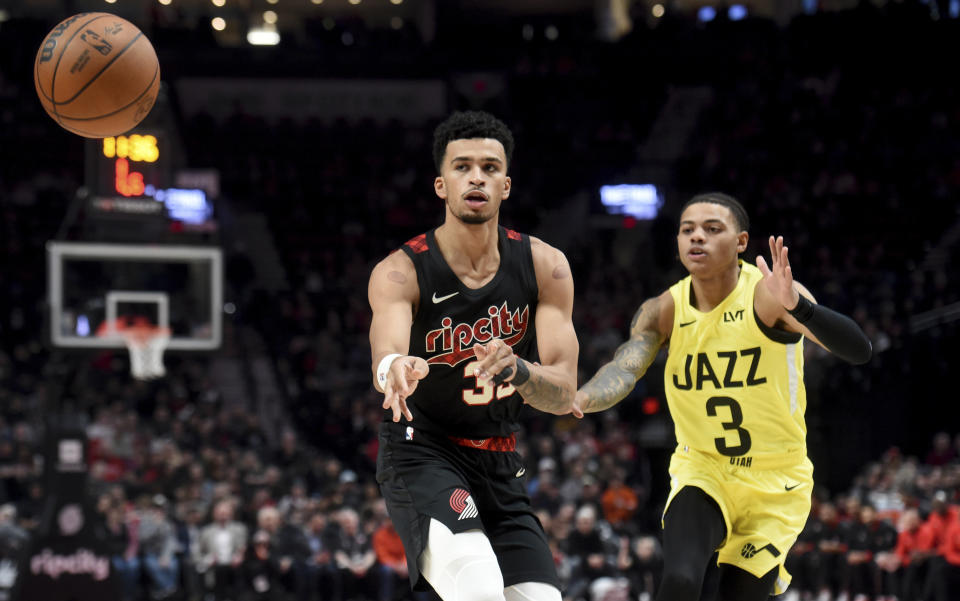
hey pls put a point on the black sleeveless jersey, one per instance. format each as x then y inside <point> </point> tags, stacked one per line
<point>451,318</point>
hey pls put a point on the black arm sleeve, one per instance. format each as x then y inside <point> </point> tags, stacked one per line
<point>838,333</point>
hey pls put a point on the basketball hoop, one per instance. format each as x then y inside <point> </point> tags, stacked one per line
<point>146,345</point>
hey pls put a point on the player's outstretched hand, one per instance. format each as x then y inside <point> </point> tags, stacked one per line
<point>494,358</point>
<point>402,379</point>
<point>778,277</point>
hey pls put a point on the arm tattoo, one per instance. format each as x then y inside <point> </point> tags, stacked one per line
<point>616,379</point>
<point>541,393</point>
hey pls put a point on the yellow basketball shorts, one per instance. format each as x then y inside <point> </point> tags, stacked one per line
<point>764,506</point>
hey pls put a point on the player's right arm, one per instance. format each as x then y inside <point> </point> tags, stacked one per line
<point>649,330</point>
<point>393,294</point>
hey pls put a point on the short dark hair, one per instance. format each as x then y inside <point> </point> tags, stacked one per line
<point>465,125</point>
<point>719,198</point>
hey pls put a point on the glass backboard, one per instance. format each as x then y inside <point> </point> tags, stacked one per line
<point>97,290</point>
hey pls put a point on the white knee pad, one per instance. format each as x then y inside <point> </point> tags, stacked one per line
<point>461,567</point>
<point>532,591</point>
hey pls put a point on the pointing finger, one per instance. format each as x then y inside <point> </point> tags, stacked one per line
<point>762,266</point>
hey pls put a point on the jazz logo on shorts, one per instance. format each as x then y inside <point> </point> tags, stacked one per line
<point>462,503</point>
<point>749,550</point>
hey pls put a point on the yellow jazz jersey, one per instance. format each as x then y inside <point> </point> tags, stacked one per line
<point>735,387</point>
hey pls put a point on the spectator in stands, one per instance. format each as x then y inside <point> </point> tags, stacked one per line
<point>392,564</point>
<point>647,567</point>
<point>544,491</point>
<point>123,548</point>
<point>828,534</point>
<point>803,557</point>
<point>322,573</point>
<point>188,523</point>
<point>866,539</point>
<point>12,536</point>
<point>619,501</point>
<point>942,516</point>
<point>590,553</point>
<point>220,551</point>
<point>942,451</point>
<point>354,556</point>
<point>158,547</point>
<point>950,548</point>
<point>912,563</point>
<point>290,549</point>
<point>260,571</point>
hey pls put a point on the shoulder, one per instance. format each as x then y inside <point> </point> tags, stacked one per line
<point>552,271</point>
<point>397,259</point>
<point>547,257</point>
<point>656,313</point>
<point>394,274</point>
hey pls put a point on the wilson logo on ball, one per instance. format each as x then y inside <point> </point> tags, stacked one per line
<point>50,44</point>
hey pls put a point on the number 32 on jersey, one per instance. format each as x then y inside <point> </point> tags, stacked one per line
<point>482,393</point>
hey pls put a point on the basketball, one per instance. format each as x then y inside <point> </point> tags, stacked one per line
<point>96,75</point>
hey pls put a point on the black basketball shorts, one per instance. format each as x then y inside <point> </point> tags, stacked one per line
<point>424,476</point>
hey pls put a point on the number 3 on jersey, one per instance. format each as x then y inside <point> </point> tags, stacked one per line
<point>736,420</point>
<point>484,394</point>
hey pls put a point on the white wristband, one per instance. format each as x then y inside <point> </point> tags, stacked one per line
<point>384,368</point>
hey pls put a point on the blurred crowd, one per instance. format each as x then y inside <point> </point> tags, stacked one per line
<point>196,505</point>
<point>845,146</point>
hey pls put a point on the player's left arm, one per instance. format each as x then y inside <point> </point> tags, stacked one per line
<point>782,302</point>
<point>551,385</point>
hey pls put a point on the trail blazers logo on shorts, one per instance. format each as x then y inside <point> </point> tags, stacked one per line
<point>462,503</point>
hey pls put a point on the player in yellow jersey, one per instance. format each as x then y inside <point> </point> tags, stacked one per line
<point>740,476</point>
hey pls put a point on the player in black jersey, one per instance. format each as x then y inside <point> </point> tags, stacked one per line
<point>453,314</point>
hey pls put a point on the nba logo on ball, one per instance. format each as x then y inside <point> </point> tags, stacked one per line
<point>96,75</point>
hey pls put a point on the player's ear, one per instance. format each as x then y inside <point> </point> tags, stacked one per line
<point>440,188</point>
<point>742,239</point>
<point>507,184</point>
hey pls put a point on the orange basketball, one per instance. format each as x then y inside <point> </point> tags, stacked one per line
<point>97,75</point>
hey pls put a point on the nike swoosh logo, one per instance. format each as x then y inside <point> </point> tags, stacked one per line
<point>521,471</point>
<point>789,488</point>
<point>683,325</point>
<point>440,299</point>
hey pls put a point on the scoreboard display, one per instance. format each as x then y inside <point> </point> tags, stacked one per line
<point>135,162</point>
<point>125,172</point>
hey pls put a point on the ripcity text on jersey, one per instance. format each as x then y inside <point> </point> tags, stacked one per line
<point>735,386</point>
<point>450,319</point>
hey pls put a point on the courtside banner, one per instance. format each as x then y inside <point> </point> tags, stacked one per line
<point>68,559</point>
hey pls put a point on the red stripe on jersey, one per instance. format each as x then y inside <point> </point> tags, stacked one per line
<point>418,244</point>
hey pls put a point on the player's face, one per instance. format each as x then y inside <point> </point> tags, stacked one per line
<point>709,238</point>
<point>473,180</point>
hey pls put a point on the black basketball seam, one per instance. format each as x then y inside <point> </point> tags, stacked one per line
<point>53,78</point>
<point>156,72</point>
<point>105,67</point>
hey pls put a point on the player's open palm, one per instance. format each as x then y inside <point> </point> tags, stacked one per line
<point>402,379</point>
<point>778,277</point>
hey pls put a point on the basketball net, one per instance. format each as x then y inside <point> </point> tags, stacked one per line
<point>146,345</point>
